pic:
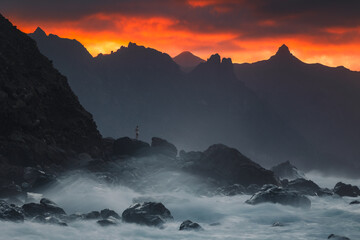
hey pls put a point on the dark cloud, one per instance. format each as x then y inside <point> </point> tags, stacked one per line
<point>246,18</point>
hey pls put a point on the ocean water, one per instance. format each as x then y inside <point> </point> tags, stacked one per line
<point>222,217</point>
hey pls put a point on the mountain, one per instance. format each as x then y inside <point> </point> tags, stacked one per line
<point>320,102</point>
<point>187,61</point>
<point>141,86</point>
<point>41,121</point>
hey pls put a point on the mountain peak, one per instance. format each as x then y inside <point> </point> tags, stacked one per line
<point>187,60</point>
<point>284,55</point>
<point>39,32</point>
<point>283,51</point>
<point>215,58</point>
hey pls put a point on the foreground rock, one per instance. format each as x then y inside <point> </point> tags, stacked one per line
<point>127,146</point>
<point>336,237</point>
<point>41,120</point>
<point>46,208</point>
<point>348,190</point>
<point>355,202</point>
<point>274,194</point>
<point>10,212</point>
<point>148,213</point>
<point>159,145</point>
<point>227,166</point>
<point>307,187</point>
<point>286,170</point>
<point>190,226</point>
<point>110,221</point>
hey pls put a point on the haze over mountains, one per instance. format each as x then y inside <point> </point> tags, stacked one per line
<point>270,110</point>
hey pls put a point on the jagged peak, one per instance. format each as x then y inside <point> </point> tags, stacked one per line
<point>39,32</point>
<point>215,58</point>
<point>284,55</point>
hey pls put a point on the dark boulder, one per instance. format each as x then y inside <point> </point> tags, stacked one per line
<point>159,145</point>
<point>107,222</point>
<point>46,208</point>
<point>355,202</point>
<point>148,213</point>
<point>281,196</point>
<point>106,213</point>
<point>36,178</point>
<point>348,190</point>
<point>287,170</point>
<point>190,226</point>
<point>10,212</point>
<point>228,166</point>
<point>337,237</point>
<point>304,186</point>
<point>91,215</point>
<point>128,146</point>
<point>49,220</point>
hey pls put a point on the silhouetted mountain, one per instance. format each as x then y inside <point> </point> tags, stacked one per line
<point>322,103</point>
<point>141,86</point>
<point>187,61</point>
<point>41,121</point>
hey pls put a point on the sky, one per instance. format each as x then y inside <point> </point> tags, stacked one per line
<point>325,31</point>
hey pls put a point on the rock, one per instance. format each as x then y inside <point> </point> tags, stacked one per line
<point>106,213</point>
<point>48,220</point>
<point>159,145</point>
<point>37,178</point>
<point>355,202</point>
<point>336,237</point>
<point>287,170</point>
<point>107,222</point>
<point>190,226</point>
<point>43,122</point>
<point>148,213</point>
<point>91,215</point>
<point>128,146</point>
<point>46,208</point>
<point>10,212</point>
<point>281,196</point>
<point>10,190</point>
<point>231,190</point>
<point>304,186</point>
<point>277,224</point>
<point>348,190</point>
<point>228,166</point>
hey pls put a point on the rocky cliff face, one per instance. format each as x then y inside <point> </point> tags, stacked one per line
<point>41,121</point>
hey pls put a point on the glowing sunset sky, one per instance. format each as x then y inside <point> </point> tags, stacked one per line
<point>325,31</point>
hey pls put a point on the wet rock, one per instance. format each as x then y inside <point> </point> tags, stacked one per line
<point>45,208</point>
<point>190,226</point>
<point>287,170</point>
<point>10,212</point>
<point>281,196</point>
<point>277,224</point>
<point>148,213</point>
<point>355,202</point>
<point>36,178</point>
<point>106,213</point>
<point>304,186</point>
<point>10,190</point>
<point>348,190</point>
<point>91,215</point>
<point>128,146</point>
<point>159,145</point>
<point>336,237</point>
<point>107,222</point>
<point>229,166</point>
<point>49,220</point>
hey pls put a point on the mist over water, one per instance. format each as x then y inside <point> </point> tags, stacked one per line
<point>222,217</point>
